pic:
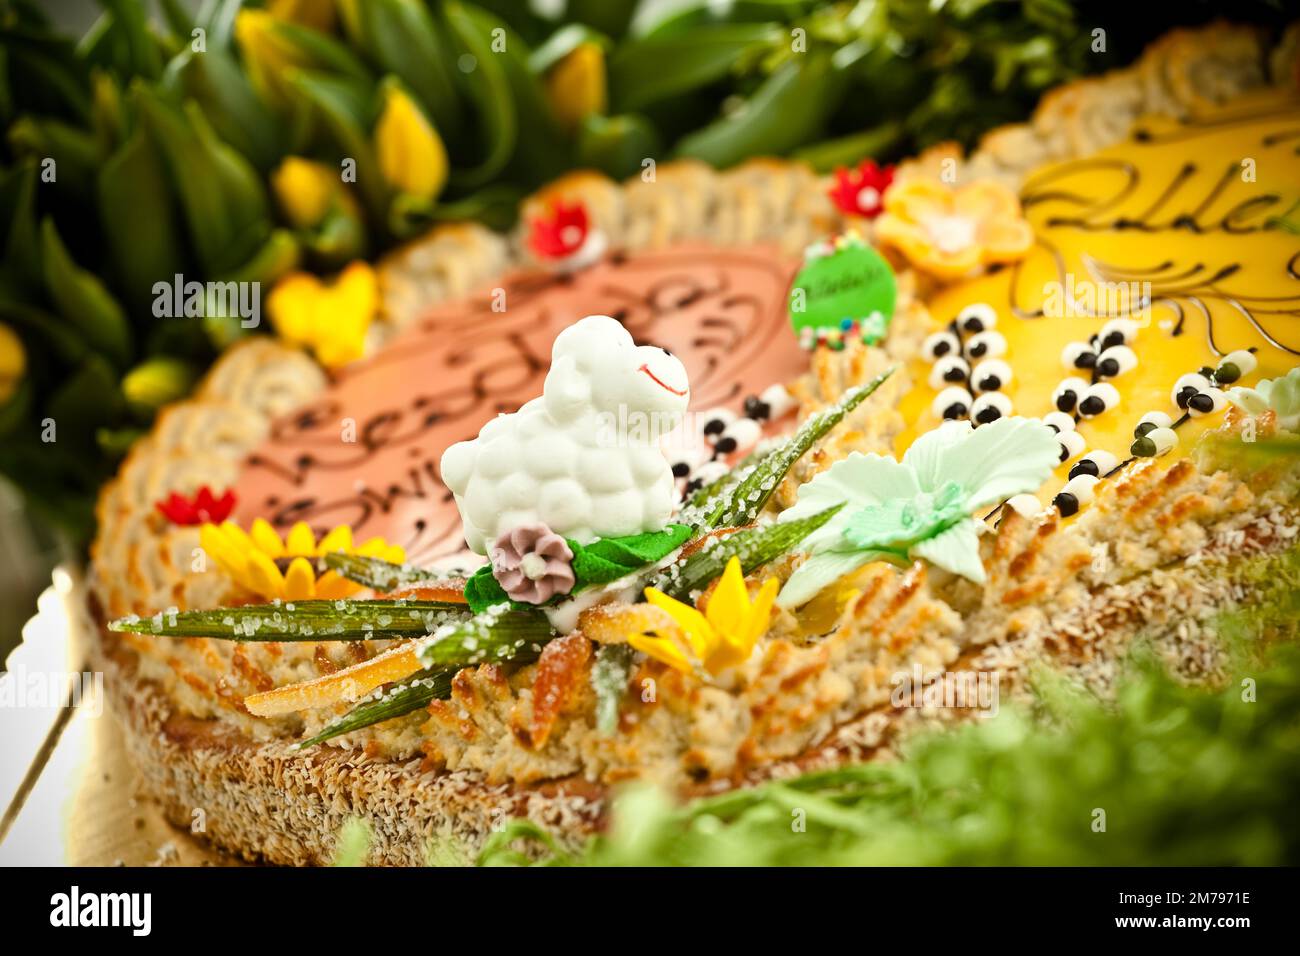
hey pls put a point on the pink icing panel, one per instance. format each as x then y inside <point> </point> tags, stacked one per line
<point>721,311</point>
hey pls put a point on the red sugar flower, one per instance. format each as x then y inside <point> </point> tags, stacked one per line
<point>203,508</point>
<point>859,192</point>
<point>562,233</point>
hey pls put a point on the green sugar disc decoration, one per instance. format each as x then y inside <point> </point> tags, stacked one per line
<point>845,290</point>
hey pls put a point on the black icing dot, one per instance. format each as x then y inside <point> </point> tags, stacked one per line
<point>954,374</point>
<point>988,414</point>
<point>756,408</point>
<point>681,469</point>
<point>1143,447</point>
<point>1092,405</point>
<point>979,349</point>
<point>1085,467</point>
<point>1066,503</point>
<point>955,410</point>
<point>1065,401</point>
<point>1114,338</point>
<point>1108,367</point>
<point>1201,402</point>
<point>1065,453</point>
<point>694,485</point>
<point>714,426</point>
<point>1143,428</point>
<point>990,383</point>
<point>1085,360</point>
<point>725,446</point>
<point>973,325</point>
<point>1184,395</point>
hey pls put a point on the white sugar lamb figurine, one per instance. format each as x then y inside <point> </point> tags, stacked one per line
<point>584,459</point>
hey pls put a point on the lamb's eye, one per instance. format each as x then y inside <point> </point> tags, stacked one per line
<point>989,407</point>
<point>1078,355</point>
<point>953,402</point>
<point>949,370</point>
<point>1116,360</point>
<point>991,375</point>
<point>1097,399</point>
<point>987,345</point>
<point>1068,393</point>
<point>664,350</point>
<point>977,317</point>
<point>939,344</point>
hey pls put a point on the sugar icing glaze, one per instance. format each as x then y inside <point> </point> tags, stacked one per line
<point>1169,207</point>
<point>721,311</point>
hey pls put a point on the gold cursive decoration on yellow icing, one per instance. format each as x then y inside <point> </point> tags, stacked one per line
<point>1177,229</point>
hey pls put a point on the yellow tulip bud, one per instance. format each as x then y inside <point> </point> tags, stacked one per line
<point>268,56</point>
<point>576,85</point>
<point>305,190</point>
<point>411,155</point>
<point>156,382</point>
<point>13,362</point>
<point>317,14</point>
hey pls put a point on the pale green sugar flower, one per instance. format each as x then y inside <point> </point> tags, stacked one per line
<point>1281,395</point>
<point>920,507</point>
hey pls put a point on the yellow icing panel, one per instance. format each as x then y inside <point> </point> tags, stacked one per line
<point>1184,214</point>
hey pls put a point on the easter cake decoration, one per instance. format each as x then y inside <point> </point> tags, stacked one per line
<point>595,512</point>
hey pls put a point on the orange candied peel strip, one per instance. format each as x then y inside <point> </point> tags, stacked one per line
<point>349,684</point>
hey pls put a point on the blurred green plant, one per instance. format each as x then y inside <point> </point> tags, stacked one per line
<point>1185,775</point>
<point>250,139</point>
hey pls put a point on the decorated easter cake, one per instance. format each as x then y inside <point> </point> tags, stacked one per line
<point>673,483</point>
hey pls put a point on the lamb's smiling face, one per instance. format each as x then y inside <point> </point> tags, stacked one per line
<point>596,362</point>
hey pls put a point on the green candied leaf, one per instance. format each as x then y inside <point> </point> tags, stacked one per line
<point>754,546</point>
<point>652,69</point>
<point>490,637</point>
<point>789,110</point>
<point>609,677</point>
<point>743,502</point>
<point>403,697</point>
<point>488,87</point>
<point>609,559</point>
<point>483,591</point>
<point>352,845</point>
<point>301,621</point>
<point>82,299</point>
<point>140,218</point>
<point>379,574</point>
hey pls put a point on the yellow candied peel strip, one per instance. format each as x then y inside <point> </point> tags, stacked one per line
<point>349,684</point>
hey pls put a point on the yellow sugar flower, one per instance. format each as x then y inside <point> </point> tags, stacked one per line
<point>952,232</point>
<point>411,155</point>
<point>330,319</point>
<point>723,636</point>
<point>274,567</point>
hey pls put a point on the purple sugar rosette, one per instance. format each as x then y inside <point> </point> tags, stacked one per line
<point>532,563</point>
